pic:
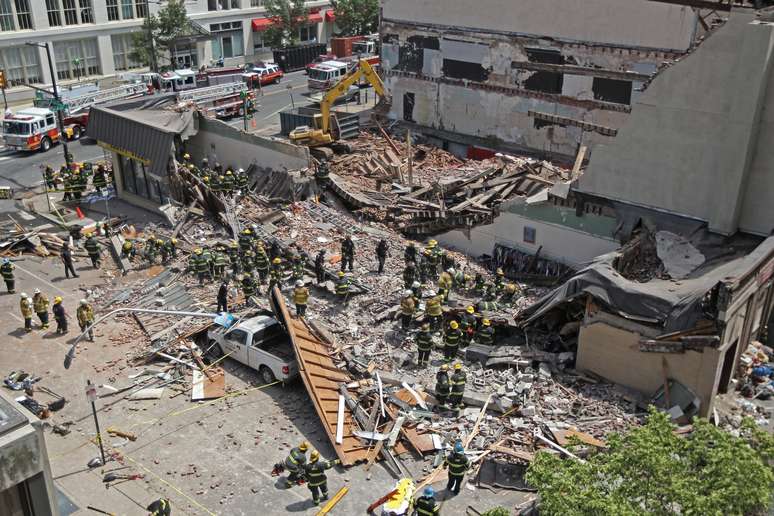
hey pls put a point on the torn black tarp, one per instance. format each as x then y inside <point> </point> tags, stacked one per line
<point>671,304</point>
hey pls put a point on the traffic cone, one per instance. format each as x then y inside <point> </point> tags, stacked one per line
<point>79,212</point>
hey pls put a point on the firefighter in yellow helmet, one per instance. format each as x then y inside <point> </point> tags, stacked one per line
<point>295,462</point>
<point>315,476</point>
<point>60,316</point>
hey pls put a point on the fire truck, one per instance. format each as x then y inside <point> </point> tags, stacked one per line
<point>218,92</point>
<point>36,128</point>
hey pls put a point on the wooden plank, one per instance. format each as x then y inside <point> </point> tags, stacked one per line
<point>204,388</point>
<point>579,161</point>
<point>563,438</point>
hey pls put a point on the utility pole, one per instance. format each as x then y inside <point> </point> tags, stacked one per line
<point>245,99</point>
<point>58,107</point>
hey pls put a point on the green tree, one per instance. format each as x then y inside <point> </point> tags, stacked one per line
<point>497,511</point>
<point>651,470</point>
<point>163,29</point>
<point>287,17</point>
<point>356,17</point>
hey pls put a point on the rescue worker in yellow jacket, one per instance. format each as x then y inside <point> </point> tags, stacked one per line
<point>300,298</point>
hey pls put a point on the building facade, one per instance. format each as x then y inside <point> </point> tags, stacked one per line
<point>92,38</point>
<point>539,76</point>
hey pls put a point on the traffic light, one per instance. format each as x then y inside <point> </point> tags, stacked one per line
<point>2,79</point>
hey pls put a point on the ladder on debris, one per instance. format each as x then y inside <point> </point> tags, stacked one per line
<point>325,214</point>
<point>219,91</point>
<point>75,104</point>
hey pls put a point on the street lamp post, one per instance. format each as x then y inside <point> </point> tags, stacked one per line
<point>58,104</point>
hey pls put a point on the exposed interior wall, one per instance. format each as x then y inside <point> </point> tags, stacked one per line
<point>221,143</point>
<point>612,353</point>
<point>689,145</point>
<point>634,22</point>
<point>558,233</point>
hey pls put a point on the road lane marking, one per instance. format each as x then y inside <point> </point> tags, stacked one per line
<point>41,279</point>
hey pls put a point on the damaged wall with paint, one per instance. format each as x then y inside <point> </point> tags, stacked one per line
<point>505,76</point>
<point>556,230</point>
<point>706,155</point>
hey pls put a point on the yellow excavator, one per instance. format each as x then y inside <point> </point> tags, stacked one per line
<point>321,135</point>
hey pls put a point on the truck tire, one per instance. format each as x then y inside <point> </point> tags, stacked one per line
<point>266,374</point>
<point>45,144</point>
<point>277,80</point>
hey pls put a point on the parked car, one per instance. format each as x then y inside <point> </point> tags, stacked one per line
<point>260,343</point>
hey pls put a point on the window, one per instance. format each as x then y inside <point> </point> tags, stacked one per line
<point>122,52</point>
<point>21,65</point>
<point>256,3</point>
<point>222,5</point>
<point>529,235</point>
<point>54,14</point>
<point>547,82</point>
<point>408,107</point>
<point>238,336</point>
<point>141,8</point>
<point>127,9</point>
<point>307,33</point>
<point>23,14</point>
<point>112,10</point>
<point>257,43</point>
<point>6,16</point>
<point>76,58</point>
<point>70,12</point>
<point>228,40</point>
<point>87,13</point>
<point>611,90</point>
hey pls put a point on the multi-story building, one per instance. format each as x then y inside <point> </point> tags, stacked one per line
<point>92,38</point>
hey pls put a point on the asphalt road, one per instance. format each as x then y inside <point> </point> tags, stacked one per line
<point>21,170</point>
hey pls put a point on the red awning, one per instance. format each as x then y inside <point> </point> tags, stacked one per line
<point>260,24</point>
<point>315,18</point>
<point>330,16</point>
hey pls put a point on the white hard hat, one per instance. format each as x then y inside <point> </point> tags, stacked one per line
<point>37,291</point>
<point>24,295</point>
<point>407,293</point>
<point>83,302</point>
<point>299,283</point>
<point>416,284</point>
<point>241,170</point>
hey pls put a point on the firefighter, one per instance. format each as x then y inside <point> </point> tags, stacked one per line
<point>451,341</point>
<point>319,266</point>
<point>322,174</point>
<point>127,250</point>
<point>100,178</point>
<point>409,274</point>
<point>67,183</point>
<point>499,281</point>
<point>347,253</point>
<point>457,381</point>
<point>201,266</point>
<point>485,334</point>
<point>276,273</point>
<point>458,464</point>
<point>149,252</point>
<point>407,308</point>
<point>67,260</point>
<point>416,289</point>
<point>186,159</point>
<point>434,311</point>
<point>160,507</point>
<point>220,262</point>
<point>410,253</point>
<point>79,181</point>
<point>207,255</point>
<point>433,258</point>
<point>248,287</point>
<point>423,267</point>
<point>295,463</point>
<point>468,325</point>
<point>442,385</point>
<point>245,240</point>
<point>50,175</point>
<point>315,476</point>
<point>92,248</point>
<point>6,269</point>
<point>426,504</point>
<point>169,250</point>
<point>479,285</point>
<point>424,345</point>
<point>300,298</point>
<point>509,293</point>
<point>60,316</point>
<point>382,251</point>
<point>342,288</point>
<point>205,168</point>
<point>242,181</point>
<point>248,262</point>
<point>234,257</point>
<point>228,182</point>
<point>85,316</point>
<point>262,263</point>
<point>222,297</point>
<point>25,305</point>
<point>297,269</point>
<point>445,282</point>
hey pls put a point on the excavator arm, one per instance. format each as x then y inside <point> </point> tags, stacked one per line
<point>363,70</point>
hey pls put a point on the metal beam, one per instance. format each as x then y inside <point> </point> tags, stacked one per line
<point>699,4</point>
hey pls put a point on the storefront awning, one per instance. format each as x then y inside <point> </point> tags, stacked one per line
<point>315,18</point>
<point>330,16</point>
<point>260,24</point>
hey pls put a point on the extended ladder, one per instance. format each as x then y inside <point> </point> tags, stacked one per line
<point>75,104</point>
<point>200,95</point>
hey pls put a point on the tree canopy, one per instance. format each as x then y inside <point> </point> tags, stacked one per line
<point>287,17</point>
<point>356,17</point>
<point>651,470</point>
<point>169,24</point>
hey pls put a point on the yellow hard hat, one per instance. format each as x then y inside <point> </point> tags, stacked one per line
<point>198,251</point>
<point>233,244</point>
<point>470,309</point>
<point>457,366</point>
<point>206,179</point>
<point>432,243</point>
<point>500,272</point>
<point>186,156</point>
<point>159,241</point>
<point>510,288</point>
<point>221,177</point>
<point>486,322</point>
<point>246,231</point>
<point>303,446</point>
<point>276,261</point>
<point>444,367</point>
<point>228,172</point>
<point>174,240</point>
<point>57,300</point>
<point>314,456</point>
<point>454,325</point>
<point>341,274</point>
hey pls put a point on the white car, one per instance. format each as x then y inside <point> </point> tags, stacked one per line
<point>260,343</point>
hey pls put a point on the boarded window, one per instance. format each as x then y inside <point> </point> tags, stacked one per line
<point>408,107</point>
<point>612,90</point>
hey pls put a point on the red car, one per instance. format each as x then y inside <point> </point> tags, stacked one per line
<point>266,74</point>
